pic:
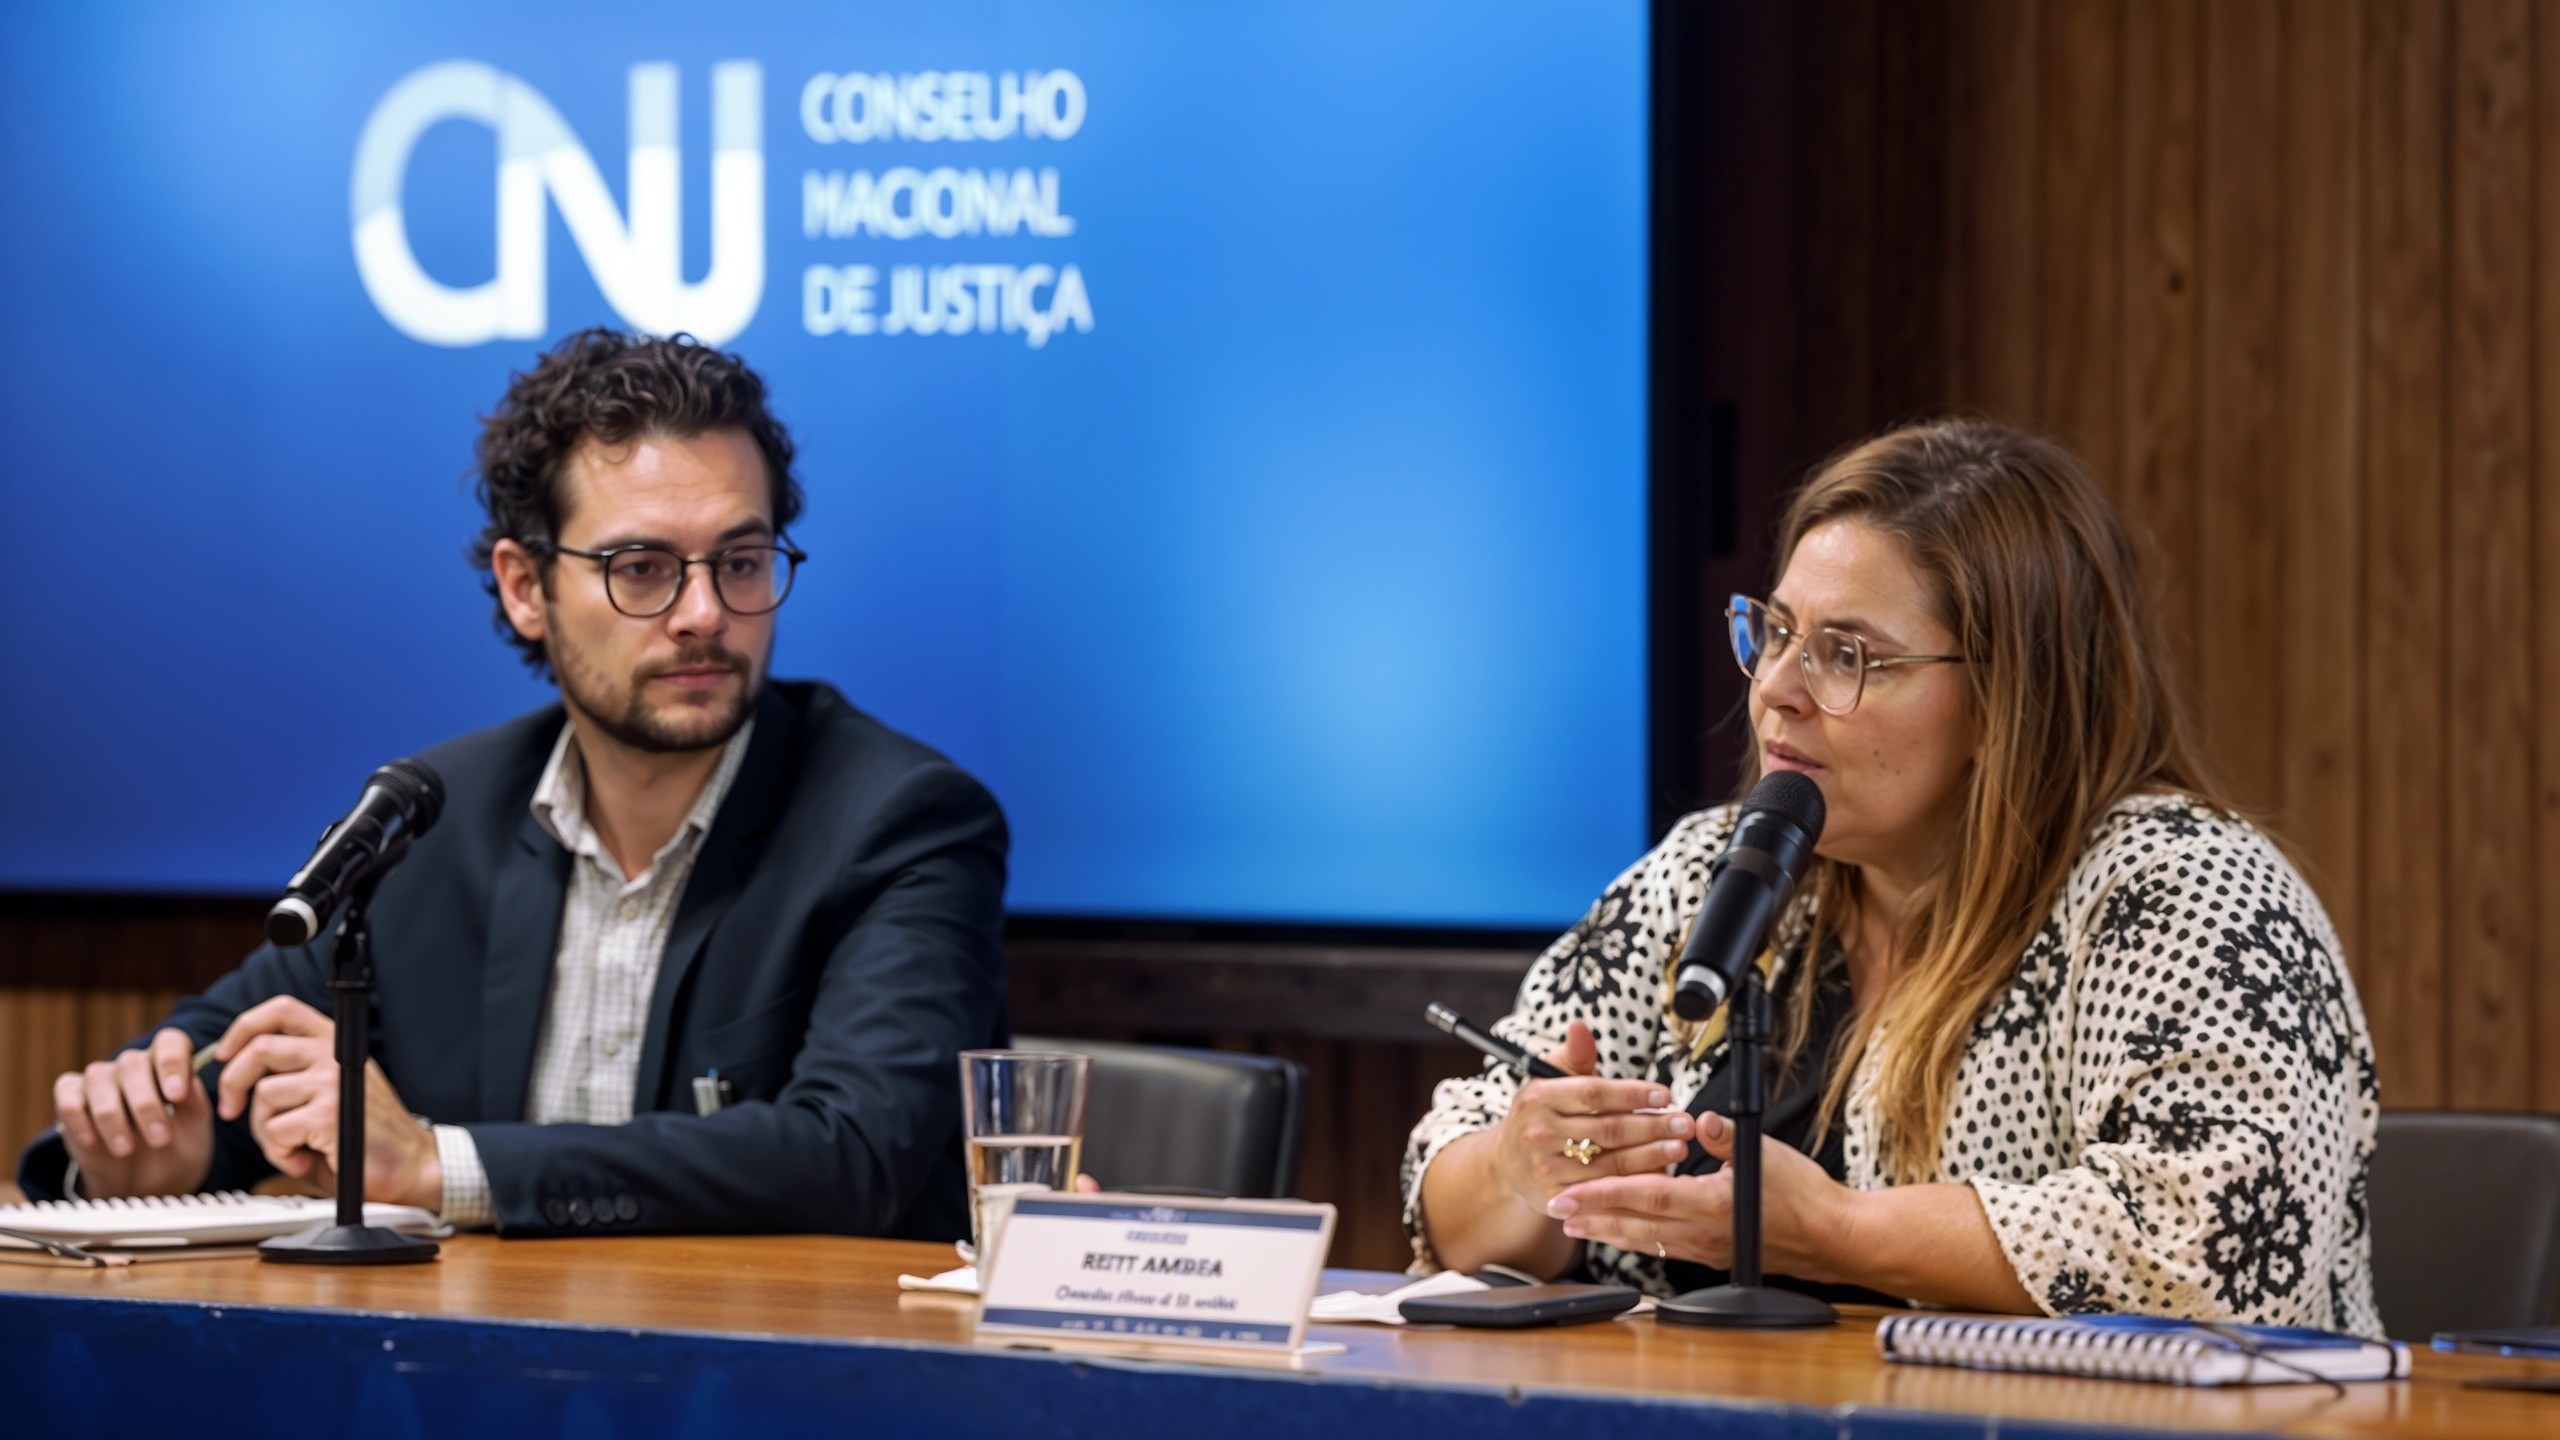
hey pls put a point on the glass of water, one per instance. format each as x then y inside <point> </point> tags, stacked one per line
<point>1025,1116</point>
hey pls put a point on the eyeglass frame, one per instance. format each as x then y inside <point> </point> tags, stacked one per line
<point>684,570</point>
<point>1867,661</point>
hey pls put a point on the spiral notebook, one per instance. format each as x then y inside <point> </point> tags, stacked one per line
<point>180,1222</point>
<point>2142,1347</point>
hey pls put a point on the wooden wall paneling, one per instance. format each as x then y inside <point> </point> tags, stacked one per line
<point>39,1024</point>
<point>106,1022</point>
<point>2403,400</point>
<point>1914,318</point>
<point>2157,477</point>
<point>1994,131</point>
<point>1753,182</point>
<point>14,1046</point>
<point>1833,85</point>
<point>2080,135</point>
<point>2237,558</point>
<point>14,1110</point>
<point>48,1038</point>
<point>2319,802</point>
<point>1750,173</point>
<point>139,1012</point>
<point>1319,1163</point>
<point>2546,515</point>
<point>80,979</point>
<point>1378,1086</point>
<point>1090,987</point>
<point>2489,603</point>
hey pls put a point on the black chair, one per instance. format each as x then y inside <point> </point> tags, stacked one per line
<point>2466,1222</point>
<point>1202,1122</point>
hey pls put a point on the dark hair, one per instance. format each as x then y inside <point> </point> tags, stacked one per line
<point>615,387</point>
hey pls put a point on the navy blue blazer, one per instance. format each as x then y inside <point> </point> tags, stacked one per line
<point>836,948</point>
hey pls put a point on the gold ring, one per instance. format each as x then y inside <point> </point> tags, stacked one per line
<point>1581,1148</point>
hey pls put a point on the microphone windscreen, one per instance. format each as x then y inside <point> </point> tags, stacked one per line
<point>418,784</point>
<point>1789,793</point>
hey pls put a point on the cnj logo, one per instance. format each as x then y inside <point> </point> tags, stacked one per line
<point>637,261</point>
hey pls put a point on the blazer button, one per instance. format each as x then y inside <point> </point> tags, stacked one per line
<point>579,1214</point>
<point>626,1208</point>
<point>556,1211</point>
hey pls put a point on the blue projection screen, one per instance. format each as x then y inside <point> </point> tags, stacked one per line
<point>1223,424</point>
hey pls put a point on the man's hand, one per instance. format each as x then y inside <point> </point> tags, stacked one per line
<point>140,1124</point>
<point>280,1067</point>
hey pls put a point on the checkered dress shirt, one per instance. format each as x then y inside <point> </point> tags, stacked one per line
<point>613,934</point>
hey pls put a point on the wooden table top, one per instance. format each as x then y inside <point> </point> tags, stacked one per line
<point>832,1287</point>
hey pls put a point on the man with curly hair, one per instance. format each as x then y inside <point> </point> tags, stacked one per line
<point>690,950</point>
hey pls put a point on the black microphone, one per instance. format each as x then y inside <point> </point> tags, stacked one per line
<point>1771,843</point>
<point>400,802</point>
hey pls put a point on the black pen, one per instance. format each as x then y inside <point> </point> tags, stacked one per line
<point>1446,1019</point>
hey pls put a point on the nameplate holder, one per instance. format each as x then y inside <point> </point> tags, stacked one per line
<point>1148,1275</point>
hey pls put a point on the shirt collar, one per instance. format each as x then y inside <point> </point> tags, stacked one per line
<point>560,804</point>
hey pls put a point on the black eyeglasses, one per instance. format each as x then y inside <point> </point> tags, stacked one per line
<point>643,580</point>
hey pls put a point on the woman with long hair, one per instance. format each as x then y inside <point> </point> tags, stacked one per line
<point>2058,1030</point>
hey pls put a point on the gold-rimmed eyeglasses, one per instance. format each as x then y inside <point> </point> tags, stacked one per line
<point>1835,662</point>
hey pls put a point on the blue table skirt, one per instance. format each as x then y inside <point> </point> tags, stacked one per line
<point>76,1366</point>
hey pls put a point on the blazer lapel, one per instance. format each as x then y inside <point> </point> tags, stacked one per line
<point>524,936</point>
<point>723,868</point>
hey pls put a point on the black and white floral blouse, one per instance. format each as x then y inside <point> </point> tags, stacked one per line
<point>2171,1111</point>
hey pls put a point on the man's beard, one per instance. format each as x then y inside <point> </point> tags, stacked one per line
<point>630,719</point>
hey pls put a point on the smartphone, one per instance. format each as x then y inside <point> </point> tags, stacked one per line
<point>2539,1342</point>
<point>1517,1307</point>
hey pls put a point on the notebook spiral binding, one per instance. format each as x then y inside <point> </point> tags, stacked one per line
<point>2055,1346</point>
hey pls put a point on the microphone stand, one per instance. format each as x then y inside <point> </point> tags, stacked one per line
<point>1745,1303</point>
<point>351,1241</point>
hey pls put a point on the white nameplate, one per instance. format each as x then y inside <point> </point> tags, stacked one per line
<point>1228,1274</point>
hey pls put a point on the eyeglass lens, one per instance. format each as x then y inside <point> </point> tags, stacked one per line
<point>1834,663</point>
<point>751,579</point>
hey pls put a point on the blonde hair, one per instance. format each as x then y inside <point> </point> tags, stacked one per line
<point>2031,570</point>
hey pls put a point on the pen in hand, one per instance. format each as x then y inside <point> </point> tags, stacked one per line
<point>1455,1025</point>
<point>197,1062</point>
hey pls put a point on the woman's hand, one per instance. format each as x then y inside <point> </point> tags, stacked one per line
<point>1484,1200</point>
<point>1547,1115</point>
<point>1806,1217</point>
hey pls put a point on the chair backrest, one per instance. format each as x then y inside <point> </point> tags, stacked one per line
<point>2466,1221</point>
<point>1206,1121</point>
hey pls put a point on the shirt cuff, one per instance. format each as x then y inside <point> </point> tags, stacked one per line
<point>467,1204</point>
